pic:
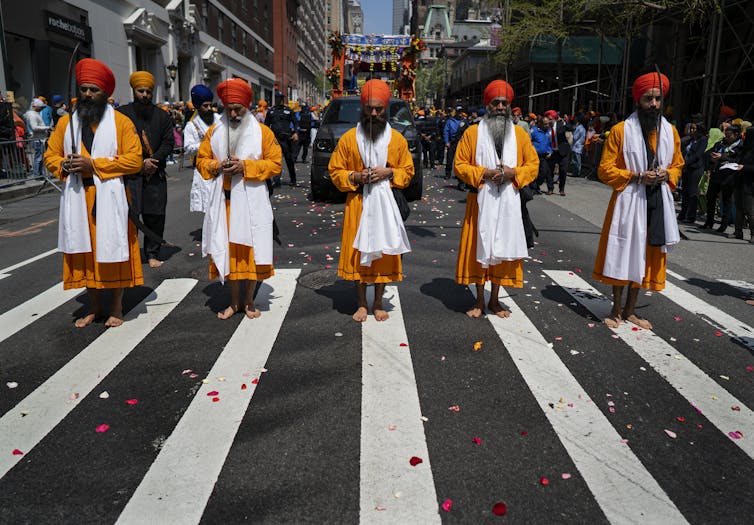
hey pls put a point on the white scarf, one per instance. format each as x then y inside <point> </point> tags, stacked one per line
<point>111,204</point>
<point>250,208</point>
<point>200,188</point>
<point>625,258</point>
<point>500,232</point>
<point>381,229</point>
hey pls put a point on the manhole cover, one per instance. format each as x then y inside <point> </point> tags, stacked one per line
<point>318,279</point>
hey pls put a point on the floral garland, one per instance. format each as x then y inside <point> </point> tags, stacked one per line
<point>333,74</point>
<point>335,41</point>
<point>417,46</point>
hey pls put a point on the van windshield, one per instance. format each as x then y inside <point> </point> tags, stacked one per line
<point>347,111</point>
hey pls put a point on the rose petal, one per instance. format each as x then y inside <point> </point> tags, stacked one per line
<point>403,344</point>
<point>194,376</point>
<point>477,346</point>
<point>415,461</point>
<point>17,452</point>
<point>102,428</point>
<point>243,386</point>
<point>476,441</point>
<point>255,381</point>
<point>671,434</point>
<point>455,408</point>
<point>187,371</point>
<point>680,419</point>
<point>215,399</point>
<point>104,395</point>
<point>391,427</point>
<point>380,508</point>
<point>544,481</point>
<point>718,334</point>
<point>565,475</point>
<point>499,509</point>
<point>736,408</point>
<point>213,393</point>
<point>11,384</point>
<point>447,504</point>
<point>524,433</point>
<point>132,401</point>
<point>736,434</point>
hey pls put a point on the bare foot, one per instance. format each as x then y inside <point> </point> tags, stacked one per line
<point>475,313</point>
<point>88,319</point>
<point>497,309</point>
<point>252,312</point>
<point>613,321</point>
<point>380,314</point>
<point>155,263</point>
<point>228,312</point>
<point>750,302</point>
<point>361,314</point>
<point>638,321</point>
<point>114,320</point>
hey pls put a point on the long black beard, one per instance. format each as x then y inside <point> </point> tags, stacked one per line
<point>373,127</point>
<point>208,118</point>
<point>90,111</point>
<point>144,111</point>
<point>648,120</point>
<point>497,121</point>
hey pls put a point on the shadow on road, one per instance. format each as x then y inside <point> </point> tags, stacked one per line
<point>454,297</point>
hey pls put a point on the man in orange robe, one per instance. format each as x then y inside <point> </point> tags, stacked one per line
<point>238,154</point>
<point>368,161</point>
<point>495,159</point>
<point>101,253</point>
<point>640,225</point>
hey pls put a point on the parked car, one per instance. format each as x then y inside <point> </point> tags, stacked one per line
<point>343,114</point>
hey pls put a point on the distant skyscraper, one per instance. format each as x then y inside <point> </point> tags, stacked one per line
<point>401,13</point>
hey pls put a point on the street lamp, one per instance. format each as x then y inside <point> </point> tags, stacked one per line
<point>172,72</point>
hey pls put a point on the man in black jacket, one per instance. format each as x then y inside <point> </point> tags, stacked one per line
<point>282,121</point>
<point>561,149</point>
<point>694,158</point>
<point>149,189</point>
<point>722,157</point>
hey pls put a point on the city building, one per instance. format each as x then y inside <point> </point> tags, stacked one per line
<point>354,18</point>
<point>284,21</point>
<point>181,42</point>
<point>312,50</point>
<point>401,17</point>
<point>335,15</point>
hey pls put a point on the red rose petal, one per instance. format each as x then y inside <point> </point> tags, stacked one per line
<point>447,504</point>
<point>215,399</point>
<point>132,401</point>
<point>476,441</point>
<point>213,393</point>
<point>681,419</point>
<point>736,408</point>
<point>243,386</point>
<point>524,433</point>
<point>415,461</point>
<point>102,428</point>
<point>255,381</point>
<point>499,509</point>
<point>403,344</point>
<point>635,329</point>
<point>17,452</point>
<point>718,334</point>
<point>544,481</point>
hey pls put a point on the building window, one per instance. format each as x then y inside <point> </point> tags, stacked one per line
<point>243,5</point>
<point>220,17</point>
<point>243,43</point>
<point>233,35</point>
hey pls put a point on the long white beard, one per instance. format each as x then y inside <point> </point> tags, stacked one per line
<point>497,125</point>
<point>236,130</point>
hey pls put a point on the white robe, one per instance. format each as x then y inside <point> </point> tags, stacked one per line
<point>381,229</point>
<point>500,231</point>
<point>193,134</point>
<point>625,257</point>
<point>250,208</point>
<point>111,205</point>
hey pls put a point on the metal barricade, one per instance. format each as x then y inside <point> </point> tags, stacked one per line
<point>17,161</point>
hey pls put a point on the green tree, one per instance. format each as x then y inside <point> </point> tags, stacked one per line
<point>429,81</point>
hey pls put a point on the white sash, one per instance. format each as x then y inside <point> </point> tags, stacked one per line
<point>250,208</point>
<point>500,232</point>
<point>381,229</point>
<point>200,187</point>
<point>111,204</point>
<point>625,257</point>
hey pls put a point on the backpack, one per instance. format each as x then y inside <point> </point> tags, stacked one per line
<point>305,121</point>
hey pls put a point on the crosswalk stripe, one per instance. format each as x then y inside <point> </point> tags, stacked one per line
<point>26,313</point>
<point>726,323</point>
<point>678,276</point>
<point>740,285</point>
<point>5,272</point>
<point>700,390</point>
<point>181,480</point>
<point>26,424</point>
<point>622,486</point>
<point>390,400</point>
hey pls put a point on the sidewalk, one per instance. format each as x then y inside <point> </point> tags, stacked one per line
<point>22,188</point>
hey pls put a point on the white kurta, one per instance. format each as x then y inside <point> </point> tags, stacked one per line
<point>193,134</point>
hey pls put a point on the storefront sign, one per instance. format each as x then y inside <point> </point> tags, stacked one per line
<point>68,27</point>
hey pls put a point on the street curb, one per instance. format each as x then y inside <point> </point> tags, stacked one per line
<point>24,189</point>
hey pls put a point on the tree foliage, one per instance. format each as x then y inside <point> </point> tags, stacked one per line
<point>430,79</point>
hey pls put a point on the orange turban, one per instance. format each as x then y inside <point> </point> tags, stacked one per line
<point>91,71</point>
<point>262,103</point>
<point>235,91</point>
<point>141,79</point>
<point>649,81</point>
<point>497,89</point>
<point>551,114</point>
<point>375,89</point>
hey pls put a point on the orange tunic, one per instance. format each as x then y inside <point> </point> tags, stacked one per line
<point>82,269</point>
<point>344,160</point>
<point>242,266</point>
<point>613,172</point>
<point>468,269</point>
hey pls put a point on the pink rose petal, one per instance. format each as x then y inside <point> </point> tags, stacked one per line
<point>380,508</point>
<point>565,475</point>
<point>102,428</point>
<point>132,401</point>
<point>454,408</point>
<point>447,504</point>
<point>736,434</point>
<point>671,434</point>
<point>476,441</point>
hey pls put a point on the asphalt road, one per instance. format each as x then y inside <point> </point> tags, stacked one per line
<point>303,416</point>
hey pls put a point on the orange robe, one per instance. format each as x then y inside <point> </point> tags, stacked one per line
<point>613,172</point>
<point>468,269</point>
<point>345,159</point>
<point>242,266</point>
<point>82,269</point>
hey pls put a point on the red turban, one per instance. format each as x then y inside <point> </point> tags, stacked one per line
<point>235,91</point>
<point>91,71</point>
<point>649,81</point>
<point>727,111</point>
<point>375,89</point>
<point>497,89</point>
<point>551,114</point>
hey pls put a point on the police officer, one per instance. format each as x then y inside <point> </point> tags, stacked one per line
<point>304,131</point>
<point>282,121</point>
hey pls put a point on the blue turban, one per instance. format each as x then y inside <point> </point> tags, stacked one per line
<point>201,94</point>
<point>57,99</point>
